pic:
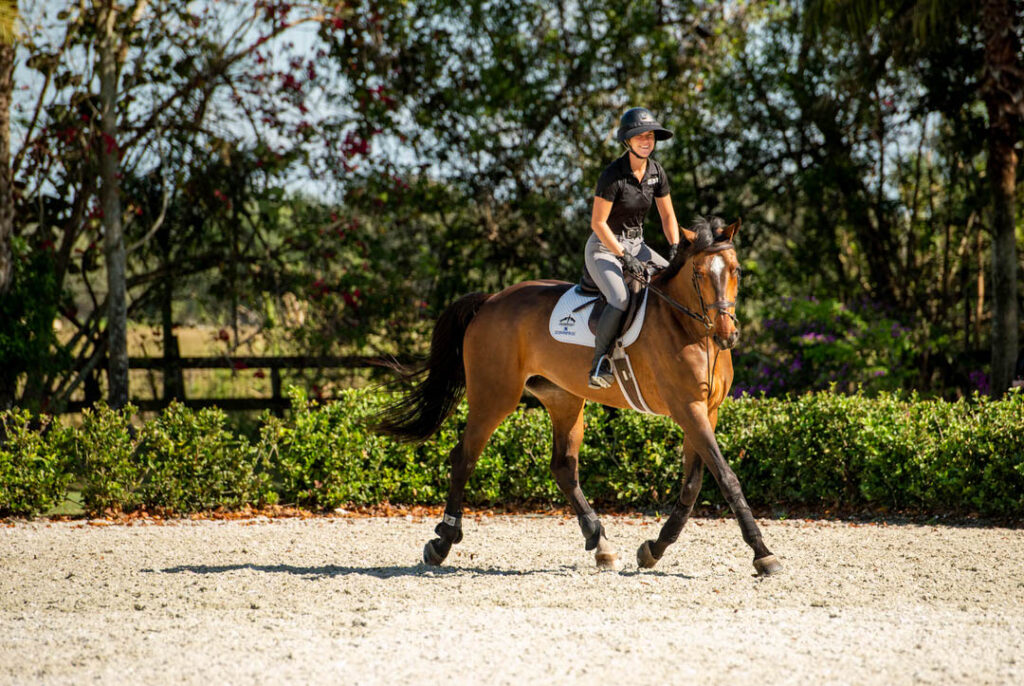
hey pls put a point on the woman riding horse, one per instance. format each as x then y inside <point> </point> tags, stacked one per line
<point>489,347</point>
<point>624,195</point>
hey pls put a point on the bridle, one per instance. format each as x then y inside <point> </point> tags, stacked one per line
<point>706,309</point>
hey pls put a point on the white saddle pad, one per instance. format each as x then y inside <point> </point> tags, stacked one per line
<point>571,327</point>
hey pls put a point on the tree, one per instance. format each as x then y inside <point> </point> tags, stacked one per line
<point>1004,101</point>
<point>173,86</point>
<point>505,110</point>
<point>111,52</point>
<point>8,17</point>
<point>462,141</point>
<point>997,23</point>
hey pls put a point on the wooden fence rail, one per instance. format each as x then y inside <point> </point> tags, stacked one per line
<point>174,387</point>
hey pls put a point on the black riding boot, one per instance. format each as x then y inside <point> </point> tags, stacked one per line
<point>601,375</point>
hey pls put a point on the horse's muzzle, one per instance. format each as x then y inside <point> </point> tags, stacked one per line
<point>729,341</point>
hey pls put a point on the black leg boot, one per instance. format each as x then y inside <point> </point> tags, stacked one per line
<point>601,375</point>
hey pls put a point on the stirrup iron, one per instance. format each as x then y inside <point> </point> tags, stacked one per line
<point>601,376</point>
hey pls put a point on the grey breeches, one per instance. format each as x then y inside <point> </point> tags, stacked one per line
<point>606,270</point>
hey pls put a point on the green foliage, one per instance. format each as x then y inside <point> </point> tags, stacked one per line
<point>463,155</point>
<point>103,451</point>
<point>629,457</point>
<point>805,344</point>
<point>182,461</point>
<point>323,456</point>
<point>824,450</point>
<point>203,216</point>
<point>890,452</point>
<point>34,473</point>
<point>191,462</point>
<point>28,346</point>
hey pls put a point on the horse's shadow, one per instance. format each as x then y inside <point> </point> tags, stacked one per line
<point>332,571</point>
<point>418,570</point>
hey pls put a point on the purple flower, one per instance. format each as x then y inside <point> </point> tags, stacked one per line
<point>980,381</point>
<point>812,337</point>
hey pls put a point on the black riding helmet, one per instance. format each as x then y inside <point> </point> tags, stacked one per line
<point>640,120</point>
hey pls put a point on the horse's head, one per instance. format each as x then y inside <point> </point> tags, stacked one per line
<point>705,276</point>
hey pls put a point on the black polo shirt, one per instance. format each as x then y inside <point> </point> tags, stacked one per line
<point>631,199</point>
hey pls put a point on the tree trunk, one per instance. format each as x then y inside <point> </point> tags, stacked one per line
<point>1004,79</point>
<point>8,378</point>
<point>110,201</point>
<point>6,191</point>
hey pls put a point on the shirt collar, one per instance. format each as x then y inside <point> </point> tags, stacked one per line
<point>627,169</point>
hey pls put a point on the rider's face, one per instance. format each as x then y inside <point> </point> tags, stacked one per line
<point>642,144</point>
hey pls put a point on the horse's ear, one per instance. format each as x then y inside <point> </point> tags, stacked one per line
<point>687,235</point>
<point>731,230</point>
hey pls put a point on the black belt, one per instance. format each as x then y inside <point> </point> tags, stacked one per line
<point>631,233</point>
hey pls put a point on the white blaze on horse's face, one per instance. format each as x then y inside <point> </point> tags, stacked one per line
<point>717,267</point>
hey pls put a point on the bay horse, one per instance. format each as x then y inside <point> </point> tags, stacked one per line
<point>491,347</point>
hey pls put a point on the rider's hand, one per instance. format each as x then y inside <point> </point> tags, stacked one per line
<point>631,264</point>
<point>672,250</point>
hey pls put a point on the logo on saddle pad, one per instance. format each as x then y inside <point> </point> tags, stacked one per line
<point>567,327</point>
<point>568,321</point>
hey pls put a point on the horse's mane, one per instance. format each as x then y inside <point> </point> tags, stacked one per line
<point>708,230</point>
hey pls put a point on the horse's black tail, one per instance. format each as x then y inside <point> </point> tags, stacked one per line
<point>438,385</point>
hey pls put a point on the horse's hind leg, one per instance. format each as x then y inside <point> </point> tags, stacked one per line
<point>651,551</point>
<point>490,401</point>
<point>566,412</point>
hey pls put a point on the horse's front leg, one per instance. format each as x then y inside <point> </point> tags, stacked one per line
<point>693,417</point>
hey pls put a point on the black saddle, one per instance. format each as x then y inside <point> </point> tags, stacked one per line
<point>635,287</point>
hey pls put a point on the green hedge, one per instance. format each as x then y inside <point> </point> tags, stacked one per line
<point>820,450</point>
<point>34,468</point>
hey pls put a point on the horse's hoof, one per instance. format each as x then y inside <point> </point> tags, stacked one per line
<point>608,561</point>
<point>644,557</point>
<point>767,565</point>
<point>431,556</point>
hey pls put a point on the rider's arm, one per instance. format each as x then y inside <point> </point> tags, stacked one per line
<point>668,219</point>
<point>599,223</point>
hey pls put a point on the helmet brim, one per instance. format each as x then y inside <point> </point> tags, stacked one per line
<point>660,132</point>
